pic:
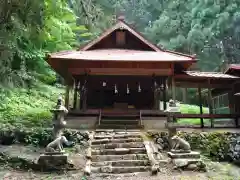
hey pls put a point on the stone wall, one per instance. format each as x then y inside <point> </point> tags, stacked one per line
<point>154,123</point>
<point>81,122</point>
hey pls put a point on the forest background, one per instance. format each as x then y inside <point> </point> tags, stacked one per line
<point>29,29</point>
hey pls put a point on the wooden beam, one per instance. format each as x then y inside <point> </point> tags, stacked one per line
<point>207,116</point>
<point>119,71</point>
<point>201,84</point>
<point>176,125</point>
<point>200,105</point>
<point>117,64</point>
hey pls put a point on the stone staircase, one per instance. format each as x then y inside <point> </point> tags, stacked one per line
<point>118,152</point>
<point>119,120</point>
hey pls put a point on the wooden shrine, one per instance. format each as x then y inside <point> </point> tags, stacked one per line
<point>121,71</point>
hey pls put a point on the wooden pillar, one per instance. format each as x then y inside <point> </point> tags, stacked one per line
<point>67,96</point>
<point>210,104</point>
<point>85,96</point>
<point>81,94</point>
<point>200,105</point>
<point>85,100</point>
<point>102,97</point>
<point>165,96</point>
<point>81,100</point>
<point>78,95</point>
<point>75,96</point>
<point>233,102</point>
<point>184,95</point>
<point>155,98</point>
<point>154,93</point>
<point>173,89</point>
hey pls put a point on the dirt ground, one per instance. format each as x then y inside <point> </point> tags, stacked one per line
<point>215,170</point>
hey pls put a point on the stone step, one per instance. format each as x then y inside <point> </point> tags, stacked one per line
<point>120,121</point>
<point>124,140</point>
<point>119,151</point>
<point>117,170</point>
<point>119,145</point>
<point>118,126</point>
<point>118,136</point>
<point>117,130</point>
<point>122,163</point>
<point>119,157</point>
<point>190,155</point>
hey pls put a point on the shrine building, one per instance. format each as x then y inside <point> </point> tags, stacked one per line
<point>122,77</point>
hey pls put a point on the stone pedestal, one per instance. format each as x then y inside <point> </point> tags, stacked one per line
<point>184,155</point>
<point>186,160</point>
<point>56,160</point>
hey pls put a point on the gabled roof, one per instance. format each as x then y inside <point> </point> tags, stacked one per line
<point>120,25</point>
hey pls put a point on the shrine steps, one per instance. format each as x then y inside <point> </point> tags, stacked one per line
<point>119,126</point>
<point>119,120</point>
<point>118,152</point>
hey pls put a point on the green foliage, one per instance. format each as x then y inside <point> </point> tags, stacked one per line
<point>197,26</point>
<point>28,30</point>
<point>29,107</point>
<point>11,134</point>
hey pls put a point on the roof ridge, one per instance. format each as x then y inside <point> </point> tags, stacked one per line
<point>182,54</point>
<point>60,52</point>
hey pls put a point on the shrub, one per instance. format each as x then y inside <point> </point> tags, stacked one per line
<point>30,107</point>
<point>36,136</point>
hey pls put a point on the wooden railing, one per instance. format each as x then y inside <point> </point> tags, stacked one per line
<point>208,116</point>
<point>212,118</point>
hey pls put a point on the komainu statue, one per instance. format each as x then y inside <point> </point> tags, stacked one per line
<point>57,144</point>
<point>180,145</point>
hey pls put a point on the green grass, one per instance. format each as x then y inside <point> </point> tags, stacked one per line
<point>192,109</point>
<point>29,107</point>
